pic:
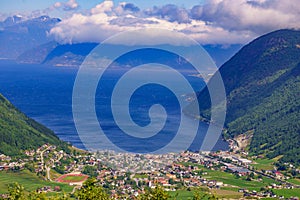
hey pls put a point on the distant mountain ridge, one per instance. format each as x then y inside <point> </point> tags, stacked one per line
<point>262,83</point>
<point>37,55</point>
<point>9,21</point>
<point>56,54</point>
<point>29,41</point>
<point>19,133</point>
<point>69,54</point>
<point>18,35</point>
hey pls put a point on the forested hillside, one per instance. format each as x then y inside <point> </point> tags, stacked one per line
<point>262,83</point>
<point>18,132</point>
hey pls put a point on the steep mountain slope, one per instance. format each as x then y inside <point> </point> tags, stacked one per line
<point>18,132</point>
<point>262,83</point>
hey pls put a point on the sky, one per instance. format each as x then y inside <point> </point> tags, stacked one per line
<point>223,22</point>
<point>6,6</point>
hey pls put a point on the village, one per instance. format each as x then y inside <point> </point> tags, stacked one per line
<point>126,174</point>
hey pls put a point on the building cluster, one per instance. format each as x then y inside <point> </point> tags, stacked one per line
<point>135,163</point>
<point>126,174</point>
<point>7,163</point>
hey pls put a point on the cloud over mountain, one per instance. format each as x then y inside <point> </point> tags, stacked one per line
<point>216,22</point>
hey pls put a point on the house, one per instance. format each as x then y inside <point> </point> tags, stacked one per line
<point>245,161</point>
<point>279,175</point>
<point>240,170</point>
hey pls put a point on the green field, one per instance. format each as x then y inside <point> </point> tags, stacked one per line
<point>228,188</point>
<point>188,195</point>
<point>287,193</point>
<point>264,164</point>
<point>27,179</point>
<point>230,179</point>
<point>182,194</point>
<point>73,178</point>
<point>140,176</point>
<point>227,194</point>
<point>235,183</point>
<point>294,181</point>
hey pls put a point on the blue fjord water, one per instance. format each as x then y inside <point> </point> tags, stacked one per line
<point>44,93</point>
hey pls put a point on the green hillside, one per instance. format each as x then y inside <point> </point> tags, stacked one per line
<point>18,132</point>
<point>262,83</point>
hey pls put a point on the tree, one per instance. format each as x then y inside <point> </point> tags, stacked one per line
<point>30,167</point>
<point>199,196</point>
<point>158,193</point>
<point>171,181</point>
<point>90,191</point>
<point>90,170</point>
<point>16,192</point>
<point>202,193</point>
<point>248,178</point>
<point>37,196</point>
<point>251,175</point>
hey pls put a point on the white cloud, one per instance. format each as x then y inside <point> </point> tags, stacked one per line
<point>171,13</point>
<point>71,5</point>
<point>57,5</point>
<point>259,16</point>
<point>218,22</point>
<point>67,6</point>
<point>151,36</point>
<point>105,6</point>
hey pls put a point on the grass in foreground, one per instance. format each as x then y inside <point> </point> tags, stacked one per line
<point>188,194</point>
<point>29,180</point>
<point>182,194</point>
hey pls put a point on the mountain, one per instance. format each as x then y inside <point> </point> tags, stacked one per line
<point>56,54</point>
<point>18,132</point>
<point>18,35</point>
<point>262,83</point>
<point>11,21</point>
<point>69,54</point>
<point>38,54</point>
<point>220,54</point>
<point>28,41</point>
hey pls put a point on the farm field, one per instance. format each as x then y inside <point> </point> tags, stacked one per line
<point>294,181</point>
<point>71,178</point>
<point>232,180</point>
<point>182,194</point>
<point>287,193</point>
<point>29,180</point>
<point>226,194</point>
<point>264,164</point>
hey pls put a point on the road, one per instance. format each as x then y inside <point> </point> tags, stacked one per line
<point>45,167</point>
<point>42,156</point>
<point>254,171</point>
